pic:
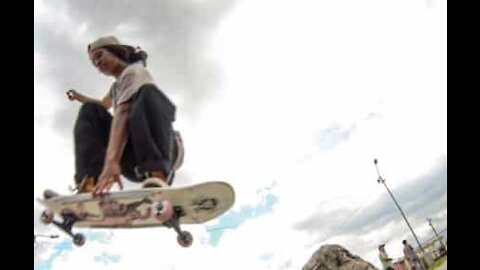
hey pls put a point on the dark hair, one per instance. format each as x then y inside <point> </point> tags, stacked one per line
<point>128,53</point>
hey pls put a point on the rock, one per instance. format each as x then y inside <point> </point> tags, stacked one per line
<point>335,257</point>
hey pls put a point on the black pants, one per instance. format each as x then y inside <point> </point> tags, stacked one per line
<point>150,144</point>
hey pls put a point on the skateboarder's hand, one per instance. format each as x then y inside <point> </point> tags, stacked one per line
<point>109,176</point>
<point>75,95</point>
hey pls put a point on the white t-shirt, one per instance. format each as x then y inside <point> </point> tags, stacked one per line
<point>132,78</point>
<point>385,260</point>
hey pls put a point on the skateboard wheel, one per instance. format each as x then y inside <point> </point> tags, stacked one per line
<point>46,217</point>
<point>185,239</point>
<point>79,239</point>
<point>163,211</point>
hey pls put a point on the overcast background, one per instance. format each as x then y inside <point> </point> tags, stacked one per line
<point>289,101</point>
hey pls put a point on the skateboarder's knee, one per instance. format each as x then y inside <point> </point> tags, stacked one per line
<point>89,109</point>
<point>148,91</point>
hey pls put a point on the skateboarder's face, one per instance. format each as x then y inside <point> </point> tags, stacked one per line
<point>105,61</point>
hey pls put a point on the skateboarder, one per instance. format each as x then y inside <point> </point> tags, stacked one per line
<point>139,141</point>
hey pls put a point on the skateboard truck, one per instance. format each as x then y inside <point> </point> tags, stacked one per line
<point>184,238</point>
<point>69,219</point>
<point>66,226</point>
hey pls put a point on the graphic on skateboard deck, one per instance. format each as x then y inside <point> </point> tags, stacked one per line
<point>169,207</point>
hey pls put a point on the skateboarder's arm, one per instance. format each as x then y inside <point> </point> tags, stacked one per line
<point>116,144</point>
<point>118,133</point>
<point>106,101</point>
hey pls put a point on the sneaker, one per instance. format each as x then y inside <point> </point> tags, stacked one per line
<point>154,182</point>
<point>86,186</point>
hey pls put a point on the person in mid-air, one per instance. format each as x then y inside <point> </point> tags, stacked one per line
<point>138,141</point>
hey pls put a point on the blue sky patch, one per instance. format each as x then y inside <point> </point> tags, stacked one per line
<point>331,137</point>
<point>233,219</point>
<point>67,245</point>
<point>107,258</point>
<point>59,248</point>
<point>266,256</point>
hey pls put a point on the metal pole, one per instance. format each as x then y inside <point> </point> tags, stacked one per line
<point>436,234</point>
<point>382,181</point>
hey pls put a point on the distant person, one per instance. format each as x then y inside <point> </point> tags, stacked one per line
<point>384,258</point>
<point>411,256</point>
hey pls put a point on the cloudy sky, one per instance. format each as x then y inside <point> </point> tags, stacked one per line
<point>289,101</point>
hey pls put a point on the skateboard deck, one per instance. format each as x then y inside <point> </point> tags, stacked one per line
<point>166,206</point>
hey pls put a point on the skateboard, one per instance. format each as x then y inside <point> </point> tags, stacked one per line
<point>148,207</point>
